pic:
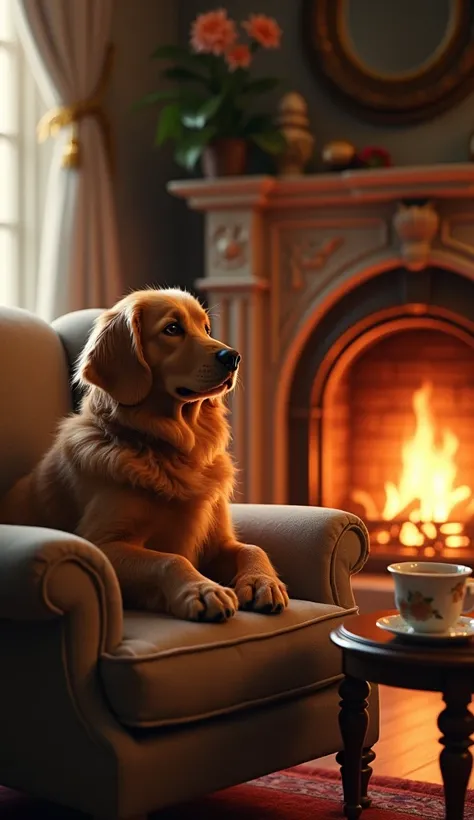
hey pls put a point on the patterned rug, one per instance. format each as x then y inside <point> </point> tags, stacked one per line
<point>296,794</point>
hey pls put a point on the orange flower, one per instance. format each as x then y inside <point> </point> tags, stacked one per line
<point>264,30</point>
<point>458,592</point>
<point>213,33</point>
<point>239,56</point>
<point>404,607</point>
<point>421,611</point>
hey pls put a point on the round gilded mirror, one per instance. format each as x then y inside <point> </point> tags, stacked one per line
<point>379,39</point>
<point>396,60</point>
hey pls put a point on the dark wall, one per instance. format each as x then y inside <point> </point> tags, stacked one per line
<point>161,241</point>
<point>148,217</point>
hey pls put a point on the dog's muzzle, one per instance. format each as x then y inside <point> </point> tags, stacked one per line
<point>229,358</point>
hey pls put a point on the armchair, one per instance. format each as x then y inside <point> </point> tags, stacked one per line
<point>119,713</point>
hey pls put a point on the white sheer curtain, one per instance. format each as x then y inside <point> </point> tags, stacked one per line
<point>66,42</point>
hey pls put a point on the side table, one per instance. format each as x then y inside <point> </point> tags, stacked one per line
<point>373,655</point>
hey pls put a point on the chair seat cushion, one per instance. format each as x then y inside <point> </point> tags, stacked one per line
<point>168,672</point>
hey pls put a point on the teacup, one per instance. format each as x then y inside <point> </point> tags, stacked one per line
<point>430,596</point>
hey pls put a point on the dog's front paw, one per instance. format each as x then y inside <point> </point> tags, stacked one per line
<point>261,593</point>
<point>205,601</point>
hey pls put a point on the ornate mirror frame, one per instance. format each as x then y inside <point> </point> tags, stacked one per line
<point>417,96</point>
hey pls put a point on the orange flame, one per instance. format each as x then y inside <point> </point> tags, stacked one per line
<point>427,479</point>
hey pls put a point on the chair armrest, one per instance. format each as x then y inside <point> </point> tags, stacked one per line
<point>46,573</point>
<point>315,550</point>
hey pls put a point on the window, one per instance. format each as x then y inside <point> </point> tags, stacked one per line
<point>9,147</point>
<point>23,168</point>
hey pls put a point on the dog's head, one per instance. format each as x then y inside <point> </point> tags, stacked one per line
<point>157,342</point>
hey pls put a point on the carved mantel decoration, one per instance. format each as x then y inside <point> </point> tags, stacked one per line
<point>230,246</point>
<point>281,252</point>
<point>416,227</point>
<point>307,258</point>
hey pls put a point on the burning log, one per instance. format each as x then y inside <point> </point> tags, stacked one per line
<point>450,539</point>
<point>425,511</point>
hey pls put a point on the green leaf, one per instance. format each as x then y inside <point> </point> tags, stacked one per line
<point>257,124</point>
<point>272,142</point>
<point>170,53</point>
<point>155,97</point>
<point>196,62</point>
<point>189,150</point>
<point>261,86</point>
<point>210,108</point>
<point>188,156</point>
<point>183,74</point>
<point>192,119</point>
<point>208,61</point>
<point>198,116</point>
<point>169,125</point>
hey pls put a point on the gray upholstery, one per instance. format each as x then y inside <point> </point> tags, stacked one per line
<point>119,713</point>
<point>34,392</point>
<point>159,674</point>
<point>73,330</point>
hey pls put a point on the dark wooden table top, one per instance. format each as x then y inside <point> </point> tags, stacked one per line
<point>359,634</point>
<point>373,655</point>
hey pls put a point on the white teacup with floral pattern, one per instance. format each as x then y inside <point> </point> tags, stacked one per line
<point>430,596</point>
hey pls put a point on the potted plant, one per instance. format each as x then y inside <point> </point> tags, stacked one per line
<point>206,113</point>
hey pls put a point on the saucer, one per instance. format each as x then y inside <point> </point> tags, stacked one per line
<point>461,631</point>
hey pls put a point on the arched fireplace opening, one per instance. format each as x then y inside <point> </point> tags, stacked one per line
<point>381,417</point>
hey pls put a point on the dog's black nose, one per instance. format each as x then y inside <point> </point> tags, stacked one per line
<point>229,358</point>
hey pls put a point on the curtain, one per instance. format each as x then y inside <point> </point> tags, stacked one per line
<point>67,46</point>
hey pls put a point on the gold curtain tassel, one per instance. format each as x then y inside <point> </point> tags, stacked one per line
<point>71,154</point>
<point>65,116</point>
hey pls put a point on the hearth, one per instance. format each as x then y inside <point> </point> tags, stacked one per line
<point>396,438</point>
<point>351,299</point>
<point>389,380</point>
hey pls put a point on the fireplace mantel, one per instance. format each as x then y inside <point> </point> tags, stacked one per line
<point>280,252</point>
<point>447,181</point>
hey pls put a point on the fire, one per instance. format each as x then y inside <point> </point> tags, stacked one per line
<point>426,493</point>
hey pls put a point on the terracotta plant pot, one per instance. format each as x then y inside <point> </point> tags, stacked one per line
<point>226,157</point>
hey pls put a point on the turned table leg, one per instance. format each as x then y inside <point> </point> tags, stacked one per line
<point>368,757</point>
<point>456,724</point>
<point>353,723</point>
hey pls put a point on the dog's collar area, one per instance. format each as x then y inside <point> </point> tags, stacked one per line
<point>132,438</point>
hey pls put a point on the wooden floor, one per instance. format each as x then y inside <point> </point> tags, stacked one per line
<point>408,745</point>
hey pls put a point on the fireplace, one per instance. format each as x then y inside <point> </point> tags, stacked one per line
<point>351,299</point>
<point>392,438</point>
<point>389,435</point>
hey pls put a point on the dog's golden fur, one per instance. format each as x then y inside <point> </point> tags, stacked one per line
<point>143,470</point>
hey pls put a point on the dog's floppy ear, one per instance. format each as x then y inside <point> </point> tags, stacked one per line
<point>113,358</point>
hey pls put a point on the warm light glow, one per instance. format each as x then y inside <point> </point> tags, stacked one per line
<point>429,529</point>
<point>429,470</point>
<point>451,528</point>
<point>457,541</point>
<point>426,493</point>
<point>410,536</point>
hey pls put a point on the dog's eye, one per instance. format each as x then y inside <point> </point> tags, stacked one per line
<point>173,329</point>
<point>208,330</point>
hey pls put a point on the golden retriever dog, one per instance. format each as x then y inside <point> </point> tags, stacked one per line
<point>143,470</point>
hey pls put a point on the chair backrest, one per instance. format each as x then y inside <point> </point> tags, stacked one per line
<point>34,391</point>
<point>36,363</point>
<point>73,330</point>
